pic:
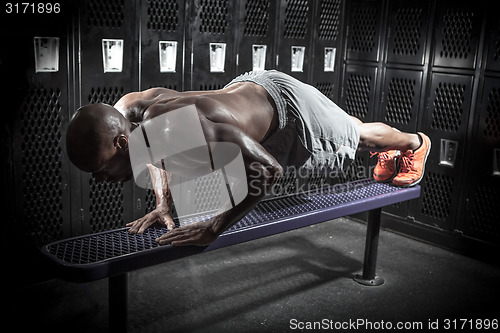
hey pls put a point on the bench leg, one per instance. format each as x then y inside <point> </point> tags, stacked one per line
<point>118,292</point>
<point>368,277</point>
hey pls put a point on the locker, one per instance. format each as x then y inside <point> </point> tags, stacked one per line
<point>364,30</point>
<point>445,122</point>
<point>401,99</point>
<point>38,176</point>
<point>482,183</point>
<point>493,42</point>
<point>358,100</point>
<point>295,36</point>
<point>162,46</point>
<point>400,109</point>
<point>162,63</point>
<point>256,40</point>
<point>211,44</point>
<point>327,56</point>
<point>105,205</point>
<point>457,30</point>
<point>407,31</point>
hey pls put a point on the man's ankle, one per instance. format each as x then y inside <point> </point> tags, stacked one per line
<point>416,142</point>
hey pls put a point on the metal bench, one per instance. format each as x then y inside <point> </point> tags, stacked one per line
<point>111,254</point>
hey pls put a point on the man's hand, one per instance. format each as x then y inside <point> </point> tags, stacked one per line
<point>200,233</point>
<point>160,215</point>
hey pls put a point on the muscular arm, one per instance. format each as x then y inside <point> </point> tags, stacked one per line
<point>262,172</point>
<point>161,213</point>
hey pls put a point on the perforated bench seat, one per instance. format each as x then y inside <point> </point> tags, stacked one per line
<point>100,255</point>
<point>111,254</point>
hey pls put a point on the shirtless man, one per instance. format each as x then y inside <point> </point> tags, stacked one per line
<point>276,121</point>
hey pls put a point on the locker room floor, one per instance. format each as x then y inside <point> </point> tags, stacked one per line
<point>262,285</point>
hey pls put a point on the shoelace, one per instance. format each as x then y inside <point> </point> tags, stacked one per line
<point>383,157</point>
<point>407,162</point>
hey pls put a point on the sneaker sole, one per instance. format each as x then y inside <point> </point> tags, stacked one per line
<point>385,181</point>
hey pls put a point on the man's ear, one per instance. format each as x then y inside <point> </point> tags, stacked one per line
<point>121,142</point>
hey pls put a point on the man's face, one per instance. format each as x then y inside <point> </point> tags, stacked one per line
<point>112,165</point>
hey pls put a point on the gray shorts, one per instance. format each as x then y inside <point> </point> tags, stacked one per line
<point>314,133</point>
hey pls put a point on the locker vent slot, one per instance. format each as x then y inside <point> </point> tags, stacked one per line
<point>407,31</point>
<point>364,30</point>
<point>296,19</point>
<point>436,197</point>
<point>213,16</point>
<point>448,107</point>
<point>492,120</point>
<point>41,164</point>
<point>400,100</point>
<point>256,18</point>
<point>457,34</point>
<point>358,95</point>
<point>485,210</point>
<point>329,19</point>
<point>163,15</point>
<point>106,206</point>
<point>105,14</point>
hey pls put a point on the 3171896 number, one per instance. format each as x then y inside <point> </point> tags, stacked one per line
<point>32,8</point>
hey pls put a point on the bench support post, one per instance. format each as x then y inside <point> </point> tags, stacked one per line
<point>118,292</point>
<point>368,277</point>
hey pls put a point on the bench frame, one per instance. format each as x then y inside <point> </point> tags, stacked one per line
<point>116,268</point>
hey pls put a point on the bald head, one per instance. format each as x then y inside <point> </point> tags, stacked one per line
<point>92,133</point>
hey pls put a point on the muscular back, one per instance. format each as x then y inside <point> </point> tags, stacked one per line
<point>245,105</point>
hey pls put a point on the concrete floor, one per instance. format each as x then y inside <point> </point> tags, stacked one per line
<point>265,284</point>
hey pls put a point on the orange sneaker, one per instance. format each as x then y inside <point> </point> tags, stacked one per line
<point>412,164</point>
<point>385,169</point>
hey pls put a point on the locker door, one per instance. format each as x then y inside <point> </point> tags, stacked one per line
<point>256,41</point>
<point>482,194</point>
<point>400,109</point>
<point>401,99</point>
<point>36,116</point>
<point>162,28</point>
<point>327,47</point>
<point>457,32</point>
<point>211,44</point>
<point>295,39</point>
<point>364,30</point>
<point>103,26</point>
<point>162,44</point>
<point>493,42</point>
<point>358,99</point>
<point>407,31</point>
<point>445,122</point>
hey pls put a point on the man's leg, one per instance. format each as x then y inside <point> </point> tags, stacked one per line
<point>379,137</point>
<point>401,156</point>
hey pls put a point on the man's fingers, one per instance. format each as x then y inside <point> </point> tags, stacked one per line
<point>138,226</point>
<point>168,237</point>
<point>182,242</point>
<point>173,236</point>
<point>169,222</point>
<point>133,226</point>
<point>130,223</point>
